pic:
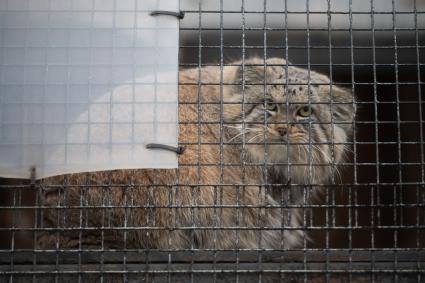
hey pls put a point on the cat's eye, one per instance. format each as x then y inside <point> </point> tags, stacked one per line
<point>304,111</point>
<point>271,106</point>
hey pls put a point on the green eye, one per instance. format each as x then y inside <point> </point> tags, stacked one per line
<point>304,111</point>
<point>271,106</point>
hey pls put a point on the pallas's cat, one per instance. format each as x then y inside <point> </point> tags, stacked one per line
<point>249,129</point>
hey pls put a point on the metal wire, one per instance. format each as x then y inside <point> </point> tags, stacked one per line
<point>367,226</point>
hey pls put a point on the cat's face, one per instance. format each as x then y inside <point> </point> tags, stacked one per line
<point>296,119</point>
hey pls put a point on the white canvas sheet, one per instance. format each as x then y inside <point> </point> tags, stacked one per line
<point>86,84</point>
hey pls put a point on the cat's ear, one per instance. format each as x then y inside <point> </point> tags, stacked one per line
<point>246,84</point>
<point>343,106</point>
<point>250,72</point>
<point>244,78</point>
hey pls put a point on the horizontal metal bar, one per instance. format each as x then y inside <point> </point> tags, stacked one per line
<point>268,206</point>
<point>334,254</point>
<point>311,12</point>
<point>216,228</point>
<point>225,11</point>
<point>300,29</point>
<point>307,47</point>
<point>377,83</point>
<point>189,269</point>
<point>353,185</point>
<point>196,29</point>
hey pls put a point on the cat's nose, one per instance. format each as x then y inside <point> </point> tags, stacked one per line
<point>282,131</point>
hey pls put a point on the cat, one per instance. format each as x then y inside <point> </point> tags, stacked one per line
<point>281,127</point>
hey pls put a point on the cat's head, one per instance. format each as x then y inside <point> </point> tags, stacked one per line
<point>289,115</point>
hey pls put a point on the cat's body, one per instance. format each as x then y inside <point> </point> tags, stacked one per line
<point>216,199</point>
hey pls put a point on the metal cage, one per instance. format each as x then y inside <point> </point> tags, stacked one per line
<point>366,226</point>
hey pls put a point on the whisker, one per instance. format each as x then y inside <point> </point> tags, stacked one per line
<point>239,127</point>
<point>304,150</point>
<point>254,137</point>
<point>328,159</point>
<point>238,135</point>
<point>320,151</point>
<point>245,130</point>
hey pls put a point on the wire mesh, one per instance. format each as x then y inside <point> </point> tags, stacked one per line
<point>366,224</point>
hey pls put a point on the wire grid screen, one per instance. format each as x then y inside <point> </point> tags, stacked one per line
<point>365,224</point>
